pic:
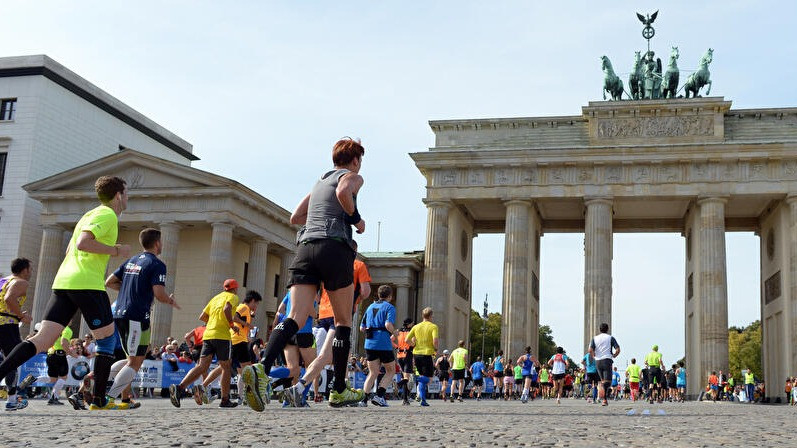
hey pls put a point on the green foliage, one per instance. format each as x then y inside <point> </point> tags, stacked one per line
<point>744,350</point>
<point>492,335</point>
<point>547,344</point>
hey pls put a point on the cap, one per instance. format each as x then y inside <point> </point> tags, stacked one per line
<point>230,283</point>
<point>407,321</point>
<point>446,352</point>
<point>655,348</point>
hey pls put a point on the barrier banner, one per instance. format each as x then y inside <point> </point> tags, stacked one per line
<point>79,367</point>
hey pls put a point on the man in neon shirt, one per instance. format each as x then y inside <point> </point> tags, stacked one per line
<point>424,337</point>
<point>633,371</point>
<point>459,360</point>
<point>655,364</point>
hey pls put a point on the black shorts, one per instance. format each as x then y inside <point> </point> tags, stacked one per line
<point>219,347</point>
<point>384,356</point>
<point>94,305</point>
<point>654,373</point>
<point>134,335</point>
<point>604,369</point>
<point>458,374</point>
<point>57,366</point>
<point>327,323</point>
<point>301,340</point>
<point>478,382</point>
<point>406,363</point>
<point>593,377</point>
<point>196,352</point>
<point>443,376</point>
<point>425,365</point>
<point>9,338</point>
<point>558,376</point>
<point>241,353</point>
<point>326,261</point>
<point>498,373</point>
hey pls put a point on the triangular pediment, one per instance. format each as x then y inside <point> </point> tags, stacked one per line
<point>141,171</point>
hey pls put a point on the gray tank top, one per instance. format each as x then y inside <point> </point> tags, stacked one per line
<point>325,215</point>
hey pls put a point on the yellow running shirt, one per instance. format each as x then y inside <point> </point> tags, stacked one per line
<point>5,286</point>
<point>243,330</point>
<point>458,355</point>
<point>218,326</point>
<point>85,270</point>
<point>633,373</point>
<point>653,359</point>
<point>424,333</point>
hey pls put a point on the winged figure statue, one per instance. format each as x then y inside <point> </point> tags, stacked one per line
<point>647,21</point>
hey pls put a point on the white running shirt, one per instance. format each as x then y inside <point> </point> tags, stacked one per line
<point>603,344</point>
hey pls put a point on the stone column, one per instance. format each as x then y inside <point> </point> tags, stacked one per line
<point>402,303</point>
<point>516,277</point>
<point>435,281</point>
<point>50,256</point>
<point>220,257</point>
<point>598,240</point>
<point>713,287</point>
<point>791,364</point>
<point>256,281</point>
<point>161,312</point>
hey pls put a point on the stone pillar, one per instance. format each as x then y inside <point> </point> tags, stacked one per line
<point>50,256</point>
<point>435,281</point>
<point>516,277</point>
<point>402,304</point>
<point>791,232</point>
<point>712,288</point>
<point>256,281</point>
<point>161,312</point>
<point>598,240</point>
<point>220,257</point>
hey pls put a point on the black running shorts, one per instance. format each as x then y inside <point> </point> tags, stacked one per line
<point>458,374</point>
<point>654,373</point>
<point>478,382</point>
<point>94,305</point>
<point>558,376</point>
<point>406,363</point>
<point>384,356</point>
<point>443,375</point>
<point>134,336</point>
<point>604,369</point>
<point>326,261</point>
<point>57,365</point>
<point>241,353</point>
<point>302,340</point>
<point>425,365</point>
<point>219,347</point>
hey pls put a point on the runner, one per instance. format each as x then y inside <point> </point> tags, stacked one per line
<point>405,359</point>
<point>424,338</point>
<point>558,363</point>
<point>299,347</point>
<point>194,340</point>
<point>615,384</point>
<point>13,294</point>
<point>219,318</point>
<point>600,347</point>
<point>633,371</point>
<point>592,378</point>
<point>325,255</point>
<point>656,378</point>
<point>459,361</point>
<point>517,372</point>
<point>498,374</point>
<point>526,361</point>
<point>79,284</point>
<point>509,379</point>
<point>478,370</point>
<point>241,354</point>
<point>57,365</point>
<point>378,324</point>
<point>545,382</point>
<point>443,366</point>
<point>680,381</point>
<point>139,280</point>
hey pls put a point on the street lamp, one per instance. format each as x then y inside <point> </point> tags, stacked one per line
<point>484,324</point>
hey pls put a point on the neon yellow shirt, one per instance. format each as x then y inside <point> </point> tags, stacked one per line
<point>6,285</point>
<point>544,375</point>
<point>458,355</point>
<point>218,326</point>
<point>85,270</point>
<point>653,359</point>
<point>633,373</point>
<point>749,378</point>
<point>518,372</point>
<point>424,333</point>
<point>66,334</point>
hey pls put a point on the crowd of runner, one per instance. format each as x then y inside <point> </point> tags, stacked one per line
<point>312,330</point>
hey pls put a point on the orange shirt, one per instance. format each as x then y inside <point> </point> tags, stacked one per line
<point>713,380</point>
<point>361,275</point>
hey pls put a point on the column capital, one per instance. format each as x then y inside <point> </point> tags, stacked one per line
<point>222,224</point>
<point>261,240</point>
<point>170,224</point>
<point>517,201</point>
<point>589,200</point>
<point>791,198</point>
<point>437,203</point>
<point>708,199</point>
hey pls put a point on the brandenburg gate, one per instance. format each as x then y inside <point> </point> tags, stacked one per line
<point>694,166</point>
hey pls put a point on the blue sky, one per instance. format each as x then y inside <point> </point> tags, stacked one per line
<point>263,89</point>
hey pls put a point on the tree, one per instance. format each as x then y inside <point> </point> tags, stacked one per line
<point>744,350</point>
<point>492,336</point>
<point>547,346</point>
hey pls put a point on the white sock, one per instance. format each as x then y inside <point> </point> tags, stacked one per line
<point>12,399</point>
<point>122,380</point>
<point>43,379</point>
<point>241,386</point>
<point>116,368</point>
<point>57,387</point>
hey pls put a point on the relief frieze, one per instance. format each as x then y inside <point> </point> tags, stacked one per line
<point>687,126</point>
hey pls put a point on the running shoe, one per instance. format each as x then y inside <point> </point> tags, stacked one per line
<point>459,399</point>
<point>424,403</point>
<point>226,403</point>
<point>258,387</point>
<point>605,402</point>
<point>76,401</point>
<point>199,395</point>
<point>376,400</point>
<point>20,404</point>
<point>294,394</point>
<point>54,401</point>
<point>174,395</point>
<point>109,406</point>
<point>348,397</point>
<point>452,398</point>
<point>524,399</point>
<point>406,402</point>
<point>558,402</point>
<point>132,404</point>
<point>24,384</point>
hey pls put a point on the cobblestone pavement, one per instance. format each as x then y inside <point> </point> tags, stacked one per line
<point>470,424</point>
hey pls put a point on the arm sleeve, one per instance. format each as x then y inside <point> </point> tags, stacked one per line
<point>159,275</point>
<point>120,271</point>
<point>100,224</point>
<point>592,343</point>
<point>362,273</point>
<point>614,343</point>
<point>434,332</point>
<point>391,315</point>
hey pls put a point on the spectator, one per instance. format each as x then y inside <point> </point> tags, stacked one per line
<point>89,346</point>
<point>170,355</point>
<point>185,357</point>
